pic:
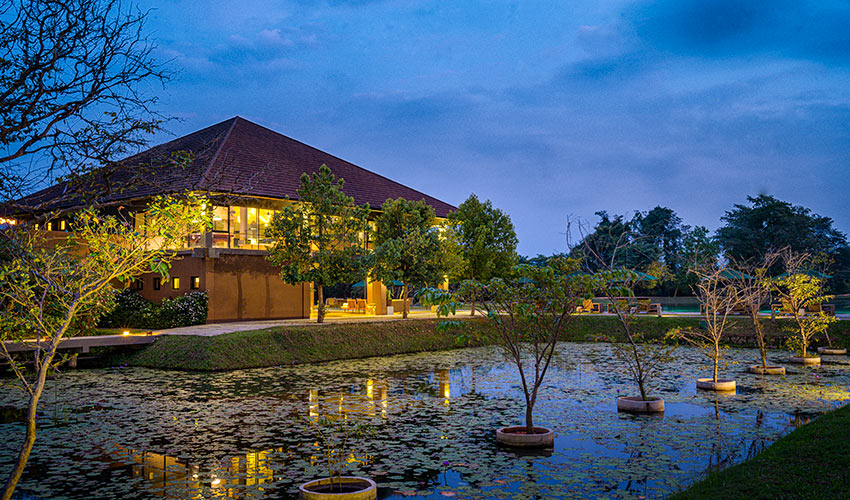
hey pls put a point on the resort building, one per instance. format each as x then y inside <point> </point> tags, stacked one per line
<point>247,172</point>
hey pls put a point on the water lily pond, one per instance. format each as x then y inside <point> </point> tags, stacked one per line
<point>139,433</point>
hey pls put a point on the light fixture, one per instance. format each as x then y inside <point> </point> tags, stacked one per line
<point>126,332</point>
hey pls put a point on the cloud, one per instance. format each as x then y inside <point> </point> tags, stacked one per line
<point>815,30</point>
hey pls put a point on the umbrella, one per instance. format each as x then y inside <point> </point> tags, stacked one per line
<point>812,273</point>
<point>361,284</point>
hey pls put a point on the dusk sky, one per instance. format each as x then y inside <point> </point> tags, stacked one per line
<point>546,108</point>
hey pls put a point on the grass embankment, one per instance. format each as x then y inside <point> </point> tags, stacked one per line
<point>811,462</point>
<point>332,341</point>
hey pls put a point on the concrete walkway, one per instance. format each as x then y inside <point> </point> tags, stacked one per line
<point>211,330</point>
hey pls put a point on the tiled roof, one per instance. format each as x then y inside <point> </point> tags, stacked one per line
<point>240,157</point>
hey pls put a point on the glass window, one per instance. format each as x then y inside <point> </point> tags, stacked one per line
<point>195,283</point>
<point>237,233</point>
<point>253,233</point>
<point>157,283</point>
<point>175,283</point>
<point>265,219</point>
<point>219,219</point>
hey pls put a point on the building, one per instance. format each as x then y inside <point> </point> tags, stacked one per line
<point>247,171</point>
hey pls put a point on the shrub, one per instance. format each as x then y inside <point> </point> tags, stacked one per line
<point>134,311</point>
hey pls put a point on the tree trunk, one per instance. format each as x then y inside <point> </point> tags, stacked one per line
<point>320,316</point>
<point>472,307</point>
<point>29,439</point>
<point>529,422</point>
<point>404,301</point>
<point>716,361</point>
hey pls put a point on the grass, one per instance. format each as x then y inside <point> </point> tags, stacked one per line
<point>331,341</point>
<point>810,462</point>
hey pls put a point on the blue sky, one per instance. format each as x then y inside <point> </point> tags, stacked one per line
<point>549,109</point>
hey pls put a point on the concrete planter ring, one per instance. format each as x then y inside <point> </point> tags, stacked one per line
<point>767,370</point>
<point>808,360</point>
<point>635,404</point>
<point>353,488</point>
<point>832,351</point>
<point>722,384</point>
<point>515,436</point>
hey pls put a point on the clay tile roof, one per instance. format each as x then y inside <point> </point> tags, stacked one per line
<point>240,157</point>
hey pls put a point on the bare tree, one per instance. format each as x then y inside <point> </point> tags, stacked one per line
<point>644,358</point>
<point>718,300</point>
<point>72,74</point>
<point>753,285</point>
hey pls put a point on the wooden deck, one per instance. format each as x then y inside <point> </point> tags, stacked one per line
<point>83,344</point>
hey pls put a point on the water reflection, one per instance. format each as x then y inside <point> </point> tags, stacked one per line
<point>243,434</point>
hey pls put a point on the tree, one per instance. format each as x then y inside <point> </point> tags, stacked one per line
<point>321,238</point>
<point>643,358</point>
<point>798,289</point>
<point>72,75</point>
<point>753,284</point>
<point>407,246</point>
<point>719,299</point>
<point>486,242</point>
<point>46,288</point>
<point>770,225</point>
<point>530,310</point>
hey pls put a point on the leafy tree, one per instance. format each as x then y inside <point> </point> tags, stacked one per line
<point>407,246</point>
<point>320,238</point>
<point>485,239</point>
<point>530,310</point>
<point>769,225</point>
<point>46,287</point>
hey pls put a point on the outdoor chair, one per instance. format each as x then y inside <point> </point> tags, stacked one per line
<point>646,306</point>
<point>588,306</point>
<point>781,309</point>
<point>827,309</point>
<point>360,306</point>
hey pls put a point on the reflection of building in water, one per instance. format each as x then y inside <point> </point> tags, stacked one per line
<point>170,477</point>
<point>369,400</point>
<point>444,386</point>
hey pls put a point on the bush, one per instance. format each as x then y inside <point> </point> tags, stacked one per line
<point>134,311</point>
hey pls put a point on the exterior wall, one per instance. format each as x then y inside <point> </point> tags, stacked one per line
<point>248,287</point>
<point>240,287</point>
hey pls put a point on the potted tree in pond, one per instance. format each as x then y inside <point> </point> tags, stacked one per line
<point>753,283</point>
<point>644,358</point>
<point>800,291</point>
<point>339,440</point>
<point>719,299</point>
<point>530,312</point>
<point>607,250</point>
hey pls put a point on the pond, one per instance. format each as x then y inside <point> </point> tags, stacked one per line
<point>139,433</point>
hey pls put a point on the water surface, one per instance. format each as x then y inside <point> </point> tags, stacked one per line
<point>140,433</point>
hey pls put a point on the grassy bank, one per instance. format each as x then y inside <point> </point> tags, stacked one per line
<point>811,462</point>
<point>331,341</point>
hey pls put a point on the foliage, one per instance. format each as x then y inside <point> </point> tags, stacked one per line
<point>530,311</point>
<point>46,286</point>
<point>320,238</point>
<point>770,225</point>
<point>719,299</point>
<point>486,240</point>
<point>797,291</point>
<point>407,245</point>
<point>341,440</point>
<point>134,311</point>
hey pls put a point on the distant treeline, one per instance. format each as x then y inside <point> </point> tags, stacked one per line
<point>659,244</point>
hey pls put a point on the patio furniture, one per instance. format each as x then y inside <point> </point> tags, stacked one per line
<point>588,306</point>
<point>781,309</point>
<point>827,309</point>
<point>645,306</point>
<point>397,304</point>
<point>360,306</point>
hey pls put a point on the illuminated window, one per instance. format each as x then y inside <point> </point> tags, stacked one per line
<point>175,283</point>
<point>196,282</point>
<point>157,283</point>
<point>61,225</point>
